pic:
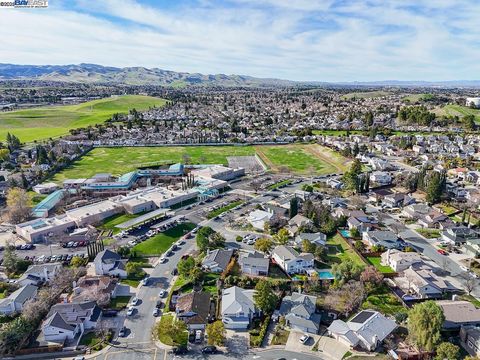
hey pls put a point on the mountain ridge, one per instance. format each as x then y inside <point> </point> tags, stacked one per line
<point>138,75</point>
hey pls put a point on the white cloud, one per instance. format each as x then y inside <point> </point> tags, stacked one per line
<point>301,40</point>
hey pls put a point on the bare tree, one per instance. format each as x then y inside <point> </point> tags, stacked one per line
<point>347,298</point>
<point>469,282</point>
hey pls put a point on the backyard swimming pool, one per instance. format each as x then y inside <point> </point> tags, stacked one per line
<point>345,233</point>
<point>325,275</point>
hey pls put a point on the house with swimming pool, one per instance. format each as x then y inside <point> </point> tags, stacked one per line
<point>291,261</point>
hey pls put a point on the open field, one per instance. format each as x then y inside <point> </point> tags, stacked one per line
<point>53,121</point>
<point>365,95</point>
<point>413,98</point>
<point>458,110</point>
<point>303,159</point>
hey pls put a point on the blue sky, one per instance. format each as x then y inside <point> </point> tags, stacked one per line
<point>323,40</point>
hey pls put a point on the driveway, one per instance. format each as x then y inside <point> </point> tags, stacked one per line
<point>237,342</point>
<point>294,344</point>
<point>331,348</point>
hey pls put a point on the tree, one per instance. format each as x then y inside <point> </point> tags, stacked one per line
<point>447,351</point>
<point>4,154</point>
<point>10,259</point>
<point>425,321</point>
<point>185,267</point>
<point>371,277</point>
<point>435,185</point>
<point>134,269</point>
<point>345,271</point>
<point>308,246</point>
<point>468,282</point>
<point>264,297</point>
<point>469,122</point>
<point>203,237</point>
<point>293,207</point>
<point>354,232</point>
<point>77,261</point>
<point>18,205</point>
<point>264,245</point>
<point>216,333</point>
<point>347,298</point>
<point>281,236</point>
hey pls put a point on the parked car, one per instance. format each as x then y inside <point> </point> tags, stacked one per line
<point>135,301</point>
<point>162,260</point>
<point>130,311</point>
<point>156,312</point>
<point>122,332</point>
<point>162,293</point>
<point>304,338</point>
<point>209,349</point>
<point>179,350</point>
<point>442,252</point>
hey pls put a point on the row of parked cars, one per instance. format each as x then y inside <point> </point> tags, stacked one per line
<point>20,247</point>
<point>65,258</point>
<point>75,244</point>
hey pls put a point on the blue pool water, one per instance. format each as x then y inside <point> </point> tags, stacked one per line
<point>325,274</point>
<point>345,233</point>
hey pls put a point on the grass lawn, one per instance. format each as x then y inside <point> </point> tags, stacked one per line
<point>471,299</point>
<point>119,161</point>
<point>458,110</point>
<point>53,121</point>
<point>2,294</point>
<point>375,261</point>
<point>223,209</point>
<point>159,243</point>
<point>119,302</point>
<point>339,251</point>
<point>210,283</point>
<point>447,209</point>
<point>413,98</point>
<point>384,301</point>
<point>279,184</point>
<point>111,222</point>
<point>132,280</point>
<point>92,340</point>
<point>429,233</point>
<point>302,159</point>
<point>36,198</point>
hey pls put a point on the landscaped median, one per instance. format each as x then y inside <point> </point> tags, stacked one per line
<point>223,209</point>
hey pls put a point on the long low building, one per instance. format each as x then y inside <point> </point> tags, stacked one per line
<point>135,202</point>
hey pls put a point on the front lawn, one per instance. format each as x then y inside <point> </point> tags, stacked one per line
<point>375,261</point>
<point>280,337</point>
<point>119,303</point>
<point>160,243</point>
<point>93,341</point>
<point>111,222</point>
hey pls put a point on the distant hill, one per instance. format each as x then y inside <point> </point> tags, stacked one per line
<point>91,73</point>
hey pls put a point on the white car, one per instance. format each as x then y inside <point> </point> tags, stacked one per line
<point>304,338</point>
<point>130,311</point>
<point>132,243</point>
<point>135,301</point>
<point>464,268</point>
<point>162,293</point>
<point>162,260</point>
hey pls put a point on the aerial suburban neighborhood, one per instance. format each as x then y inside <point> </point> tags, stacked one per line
<point>313,209</point>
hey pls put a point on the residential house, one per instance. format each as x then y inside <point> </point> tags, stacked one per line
<point>110,263</point>
<point>459,235</point>
<point>381,178</point>
<point>238,308</point>
<point>254,263</point>
<point>421,281</point>
<point>459,313</point>
<point>362,223</point>
<point>367,330</point>
<point>398,200</point>
<point>384,238</point>
<point>415,211</point>
<point>317,238</point>
<point>16,300</point>
<point>470,339</point>
<point>194,309</point>
<point>398,260</point>
<point>258,218</point>
<point>39,274</point>
<point>291,261</point>
<point>296,223</point>
<point>335,184</point>
<point>472,247</point>
<point>300,313</point>
<point>65,321</point>
<point>217,260</point>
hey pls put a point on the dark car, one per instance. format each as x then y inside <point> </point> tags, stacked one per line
<point>174,272</point>
<point>159,304</point>
<point>109,313</point>
<point>209,349</point>
<point>178,350</point>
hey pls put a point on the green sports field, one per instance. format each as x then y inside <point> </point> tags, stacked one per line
<point>298,158</point>
<point>53,121</point>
